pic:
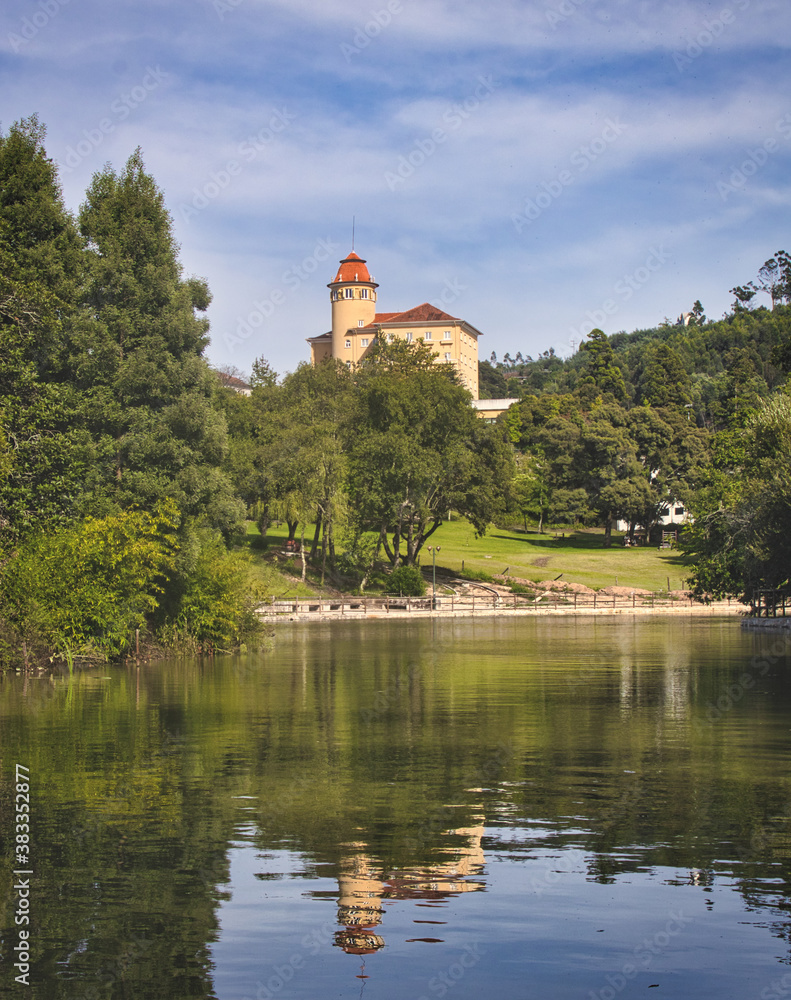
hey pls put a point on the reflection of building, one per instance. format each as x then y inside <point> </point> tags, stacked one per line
<point>363,885</point>
<point>356,324</point>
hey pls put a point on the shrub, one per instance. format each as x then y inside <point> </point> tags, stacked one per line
<point>407,581</point>
<point>477,574</point>
<point>83,590</point>
<point>211,600</point>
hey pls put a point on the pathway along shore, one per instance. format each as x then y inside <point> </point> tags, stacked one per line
<point>347,607</point>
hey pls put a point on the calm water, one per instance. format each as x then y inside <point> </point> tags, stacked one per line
<point>524,808</point>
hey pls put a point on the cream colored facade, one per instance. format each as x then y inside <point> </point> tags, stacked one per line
<point>356,324</point>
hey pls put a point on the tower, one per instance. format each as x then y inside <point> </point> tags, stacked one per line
<point>353,298</point>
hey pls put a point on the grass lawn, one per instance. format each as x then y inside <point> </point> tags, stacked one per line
<point>279,578</point>
<point>579,556</point>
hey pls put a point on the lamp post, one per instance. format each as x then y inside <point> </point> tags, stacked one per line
<point>434,550</point>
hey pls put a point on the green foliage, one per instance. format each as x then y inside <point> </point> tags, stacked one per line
<point>477,574</point>
<point>491,383</point>
<point>83,590</point>
<point>148,390</point>
<point>407,581</point>
<point>211,600</point>
<point>45,472</point>
<point>603,372</point>
<point>739,541</point>
<point>417,450</point>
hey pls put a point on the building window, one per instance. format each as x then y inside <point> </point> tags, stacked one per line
<point>364,342</point>
<point>348,364</point>
<point>349,293</point>
<point>428,335</point>
<point>409,338</point>
<point>348,343</point>
<point>363,293</point>
<point>678,511</point>
<point>447,355</point>
<point>360,322</point>
<point>390,338</point>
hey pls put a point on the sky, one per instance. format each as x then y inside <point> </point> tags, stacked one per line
<point>535,168</point>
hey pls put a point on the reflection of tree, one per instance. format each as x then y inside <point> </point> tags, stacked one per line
<point>363,884</point>
<point>611,752</point>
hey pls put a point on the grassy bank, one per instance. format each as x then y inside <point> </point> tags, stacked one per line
<point>579,556</point>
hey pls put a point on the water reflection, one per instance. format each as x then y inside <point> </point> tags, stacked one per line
<point>524,789</point>
<point>363,884</point>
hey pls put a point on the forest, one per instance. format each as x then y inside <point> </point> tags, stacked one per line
<point>128,469</point>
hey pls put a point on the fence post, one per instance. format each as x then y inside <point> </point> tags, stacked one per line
<point>594,600</point>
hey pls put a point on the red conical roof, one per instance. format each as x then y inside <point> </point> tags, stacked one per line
<point>352,269</point>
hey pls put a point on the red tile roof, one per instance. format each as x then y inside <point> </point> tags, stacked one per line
<point>425,313</point>
<point>352,269</point>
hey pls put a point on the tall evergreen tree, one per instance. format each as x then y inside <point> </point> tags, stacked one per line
<point>43,471</point>
<point>149,388</point>
<point>603,372</point>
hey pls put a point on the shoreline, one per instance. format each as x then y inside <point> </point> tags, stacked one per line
<point>344,611</point>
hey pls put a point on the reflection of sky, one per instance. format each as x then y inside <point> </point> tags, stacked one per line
<point>542,921</point>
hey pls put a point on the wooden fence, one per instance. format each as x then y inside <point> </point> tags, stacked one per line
<point>363,607</point>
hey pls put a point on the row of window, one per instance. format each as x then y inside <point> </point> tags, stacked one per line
<point>348,293</point>
<point>364,341</point>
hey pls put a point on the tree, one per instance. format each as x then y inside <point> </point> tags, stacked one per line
<point>603,372</point>
<point>774,277</point>
<point>739,541</point>
<point>608,468</point>
<point>491,383</point>
<point>663,379</point>
<point>743,296</point>
<point>46,454</point>
<point>530,489</point>
<point>141,363</point>
<point>417,450</point>
<point>697,315</point>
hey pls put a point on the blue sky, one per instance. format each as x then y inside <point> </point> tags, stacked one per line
<point>535,168</point>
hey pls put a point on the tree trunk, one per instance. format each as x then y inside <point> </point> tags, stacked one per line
<point>369,570</point>
<point>292,529</point>
<point>396,557</point>
<point>323,549</point>
<point>302,551</point>
<point>316,535</point>
<point>608,533</point>
<point>263,520</point>
<point>386,543</point>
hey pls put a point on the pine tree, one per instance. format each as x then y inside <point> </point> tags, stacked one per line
<point>142,361</point>
<point>43,452</point>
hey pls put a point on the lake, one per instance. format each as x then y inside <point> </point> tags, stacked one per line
<point>523,807</point>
